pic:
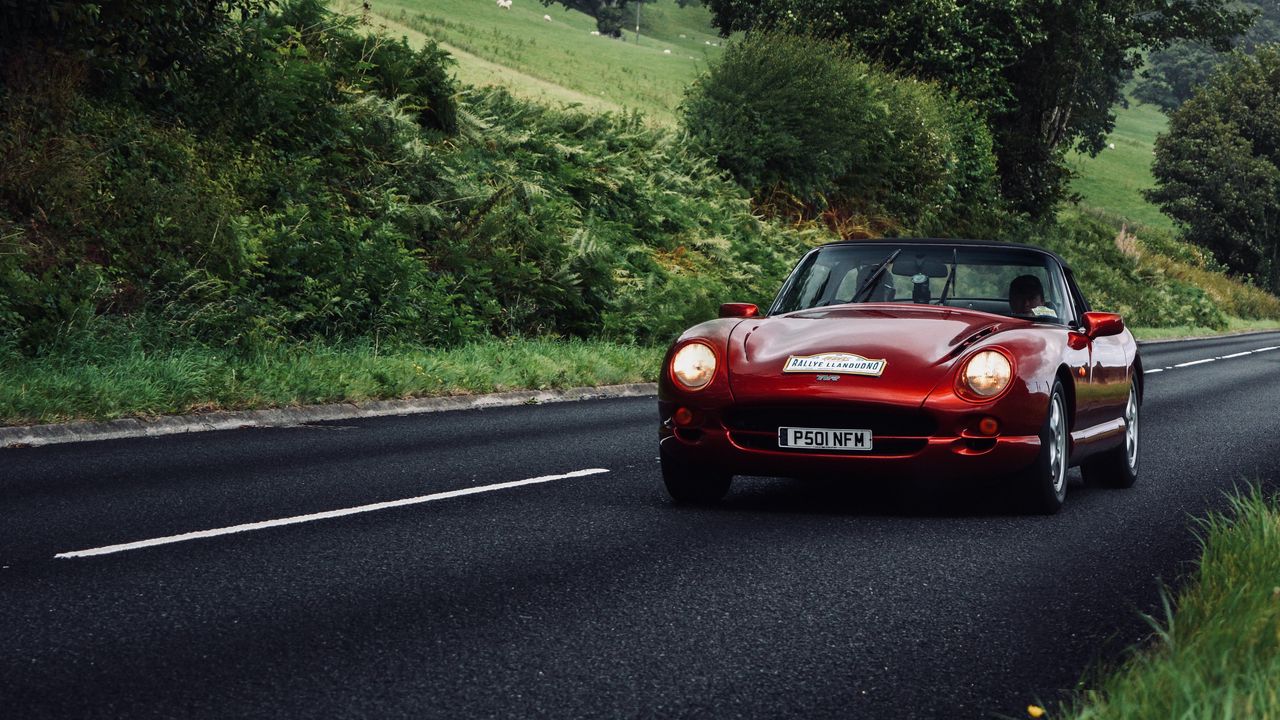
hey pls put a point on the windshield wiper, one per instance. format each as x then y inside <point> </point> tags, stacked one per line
<point>870,281</point>
<point>951,276</point>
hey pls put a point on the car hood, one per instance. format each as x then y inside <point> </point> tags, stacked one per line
<point>917,344</point>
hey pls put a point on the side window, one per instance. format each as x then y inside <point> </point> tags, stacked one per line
<point>1077,299</point>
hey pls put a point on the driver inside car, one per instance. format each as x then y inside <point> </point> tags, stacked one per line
<point>1026,296</point>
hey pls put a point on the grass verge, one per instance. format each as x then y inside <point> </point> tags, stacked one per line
<point>134,381</point>
<point>1234,325</point>
<point>1218,654</point>
<point>131,380</point>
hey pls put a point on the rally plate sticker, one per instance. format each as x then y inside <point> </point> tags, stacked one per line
<point>835,362</point>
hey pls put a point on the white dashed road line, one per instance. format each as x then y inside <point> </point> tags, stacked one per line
<point>329,514</point>
<point>1209,360</point>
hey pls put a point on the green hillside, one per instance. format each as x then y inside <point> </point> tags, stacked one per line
<point>1114,180</point>
<point>559,59</point>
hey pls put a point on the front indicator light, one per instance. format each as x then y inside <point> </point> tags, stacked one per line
<point>987,374</point>
<point>693,366</point>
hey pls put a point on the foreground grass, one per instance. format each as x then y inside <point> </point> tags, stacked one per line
<point>134,381</point>
<point>1218,655</point>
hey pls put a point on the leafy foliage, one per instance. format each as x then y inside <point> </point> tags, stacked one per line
<point>128,44</point>
<point>1218,168</point>
<point>357,196</point>
<point>335,204</point>
<point>809,119</point>
<point>1173,73</point>
<point>1045,74</point>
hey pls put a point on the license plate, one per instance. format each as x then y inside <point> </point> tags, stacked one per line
<point>824,438</point>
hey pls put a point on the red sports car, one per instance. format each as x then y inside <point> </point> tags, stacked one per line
<point>898,359</point>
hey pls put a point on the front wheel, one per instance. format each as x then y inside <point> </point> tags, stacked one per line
<point>1118,468</point>
<point>692,484</point>
<point>1044,484</point>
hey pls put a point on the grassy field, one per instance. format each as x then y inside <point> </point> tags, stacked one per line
<point>560,60</point>
<point>1217,652</point>
<point>1114,180</point>
<point>131,380</point>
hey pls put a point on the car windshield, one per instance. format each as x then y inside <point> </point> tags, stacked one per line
<point>1016,282</point>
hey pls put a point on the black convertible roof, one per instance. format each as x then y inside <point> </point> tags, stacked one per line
<point>948,242</point>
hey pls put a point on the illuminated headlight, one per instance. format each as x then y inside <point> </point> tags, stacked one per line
<point>987,373</point>
<point>694,366</point>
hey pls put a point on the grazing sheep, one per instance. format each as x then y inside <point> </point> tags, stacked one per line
<point>666,52</point>
<point>547,18</point>
<point>595,32</point>
<point>504,4</point>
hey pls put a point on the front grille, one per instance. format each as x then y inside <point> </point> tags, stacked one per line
<point>893,422</point>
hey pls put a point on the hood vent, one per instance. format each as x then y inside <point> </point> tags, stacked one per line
<point>969,341</point>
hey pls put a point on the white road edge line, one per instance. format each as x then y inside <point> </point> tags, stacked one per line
<point>1194,362</point>
<point>1156,370</point>
<point>1236,355</point>
<point>1273,347</point>
<point>246,527</point>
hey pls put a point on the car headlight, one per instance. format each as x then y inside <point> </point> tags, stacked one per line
<point>694,366</point>
<point>987,374</point>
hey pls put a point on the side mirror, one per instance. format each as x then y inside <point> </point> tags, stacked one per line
<point>1101,324</point>
<point>738,310</point>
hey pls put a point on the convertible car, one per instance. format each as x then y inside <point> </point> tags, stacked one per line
<point>938,361</point>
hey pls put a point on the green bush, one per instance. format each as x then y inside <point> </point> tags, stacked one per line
<point>810,119</point>
<point>779,110</point>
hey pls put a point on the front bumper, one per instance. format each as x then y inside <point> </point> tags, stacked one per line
<point>961,457</point>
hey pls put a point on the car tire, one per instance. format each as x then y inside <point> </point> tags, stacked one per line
<point>1118,468</point>
<point>1044,483</point>
<point>694,485</point>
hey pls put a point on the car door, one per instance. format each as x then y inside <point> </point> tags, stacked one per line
<point>1102,386</point>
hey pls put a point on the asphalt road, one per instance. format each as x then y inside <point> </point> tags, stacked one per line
<point>586,596</point>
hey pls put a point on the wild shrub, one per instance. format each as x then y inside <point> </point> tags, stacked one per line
<point>810,119</point>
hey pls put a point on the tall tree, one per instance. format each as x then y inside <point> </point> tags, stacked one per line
<point>1046,73</point>
<point>609,14</point>
<point>1218,168</point>
<point>1171,75</point>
